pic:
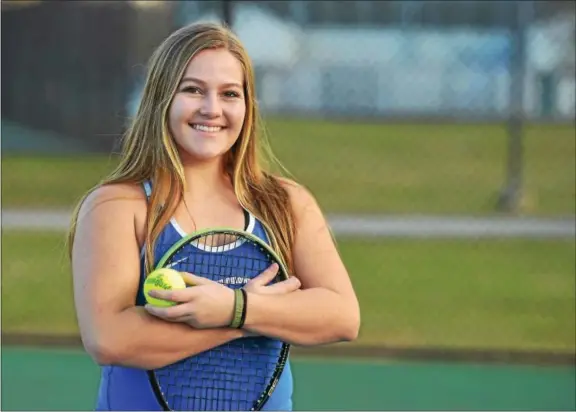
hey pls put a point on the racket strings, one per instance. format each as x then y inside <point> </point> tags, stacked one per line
<point>220,382</point>
<point>233,376</point>
<point>220,263</point>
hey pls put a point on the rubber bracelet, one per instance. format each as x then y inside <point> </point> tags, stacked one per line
<point>244,308</point>
<point>238,304</point>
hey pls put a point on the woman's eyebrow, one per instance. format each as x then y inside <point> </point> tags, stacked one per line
<point>203,83</point>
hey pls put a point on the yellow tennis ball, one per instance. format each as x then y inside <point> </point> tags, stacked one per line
<point>165,279</point>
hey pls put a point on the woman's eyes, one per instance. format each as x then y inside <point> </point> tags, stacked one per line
<point>195,90</point>
<point>191,89</point>
<point>231,94</point>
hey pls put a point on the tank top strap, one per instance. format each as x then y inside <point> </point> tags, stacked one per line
<point>147,188</point>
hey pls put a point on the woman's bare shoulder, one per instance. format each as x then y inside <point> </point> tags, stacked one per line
<point>301,198</point>
<point>117,198</point>
<point>296,191</point>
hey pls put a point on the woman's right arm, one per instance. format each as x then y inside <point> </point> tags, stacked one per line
<point>106,271</point>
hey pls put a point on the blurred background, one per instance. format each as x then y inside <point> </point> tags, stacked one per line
<point>438,137</point>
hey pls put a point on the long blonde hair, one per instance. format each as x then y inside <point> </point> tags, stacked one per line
<point>149,152</point>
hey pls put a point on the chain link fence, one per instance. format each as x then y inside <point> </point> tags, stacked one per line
<point>414,59</point>
<point>73,67</point>
<point>73,72</point>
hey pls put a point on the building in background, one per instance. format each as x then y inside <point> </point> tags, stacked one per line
<point>407,59</point>
<point>76,68</point>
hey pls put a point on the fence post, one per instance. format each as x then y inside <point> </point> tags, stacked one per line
<point>511,193</point>
<point>228,12</point>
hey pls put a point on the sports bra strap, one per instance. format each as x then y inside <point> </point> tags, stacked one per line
<point>147,188</point>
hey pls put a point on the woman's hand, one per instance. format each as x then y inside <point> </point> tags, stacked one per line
<point>209,304</point>
<point>206,304</point>
<point>258,284</point>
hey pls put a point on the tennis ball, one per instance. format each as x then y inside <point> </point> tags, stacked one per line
<point>165,279</point>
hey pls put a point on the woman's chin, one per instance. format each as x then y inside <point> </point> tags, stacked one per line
<point>197,156</point>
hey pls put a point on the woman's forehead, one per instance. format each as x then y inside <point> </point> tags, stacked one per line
<point>214,66</point>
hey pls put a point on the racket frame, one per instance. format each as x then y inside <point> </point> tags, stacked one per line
<point>282,272</point>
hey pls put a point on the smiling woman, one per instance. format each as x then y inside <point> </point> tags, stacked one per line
<point>191,161</point>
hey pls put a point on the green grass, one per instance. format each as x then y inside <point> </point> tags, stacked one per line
<point>509,294</point>
<point>359,167</point>
<point>50,181</point>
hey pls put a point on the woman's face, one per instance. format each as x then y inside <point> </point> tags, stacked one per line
<point>207,112</point>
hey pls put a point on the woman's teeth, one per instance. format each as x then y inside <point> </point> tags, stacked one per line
<point>210,129</point>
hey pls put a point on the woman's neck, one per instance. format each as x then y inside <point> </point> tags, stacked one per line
<point>205,180</point>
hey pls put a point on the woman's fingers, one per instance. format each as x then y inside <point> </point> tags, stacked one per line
<point>286,286</point>
<point>171,313</point>
<point>174,295</point>
<point>265,277</point>
<point>192,280</point>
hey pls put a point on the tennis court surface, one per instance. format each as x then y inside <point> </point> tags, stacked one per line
<point>67,380</point>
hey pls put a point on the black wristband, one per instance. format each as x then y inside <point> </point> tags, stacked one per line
<point>244,306</point>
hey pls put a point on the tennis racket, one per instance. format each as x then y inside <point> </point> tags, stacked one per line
<point>239,375</point>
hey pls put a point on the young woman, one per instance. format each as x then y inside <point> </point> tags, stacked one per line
<point>192,159</point>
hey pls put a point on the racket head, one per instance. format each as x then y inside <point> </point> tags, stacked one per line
<point>241,374</point>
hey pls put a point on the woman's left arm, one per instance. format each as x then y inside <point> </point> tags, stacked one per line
<point>325,309</point>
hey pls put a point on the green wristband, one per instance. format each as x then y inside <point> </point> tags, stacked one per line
<point>238,306</point>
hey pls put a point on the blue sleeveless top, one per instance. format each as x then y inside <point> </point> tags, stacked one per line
<point>128,389</point>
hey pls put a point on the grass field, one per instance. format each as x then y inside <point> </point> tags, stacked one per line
<point>509,294</point>
<point>366,168</point>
